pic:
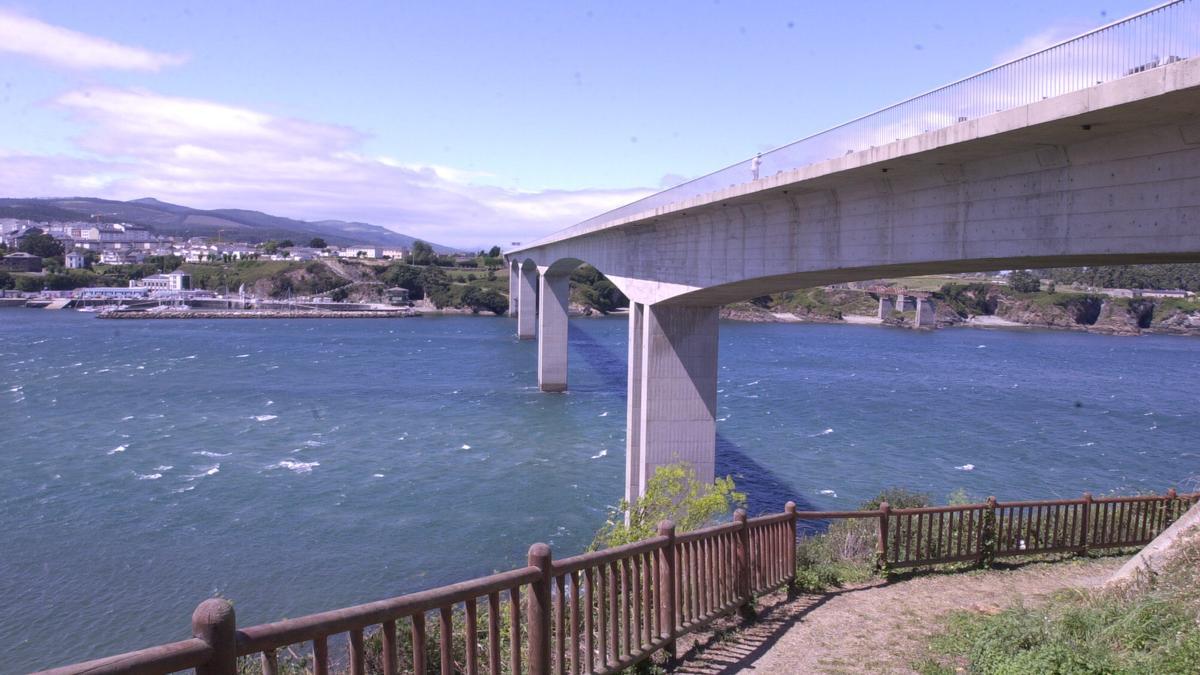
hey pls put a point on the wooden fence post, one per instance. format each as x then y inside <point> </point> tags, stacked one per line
<point>744,567</point>
<point>987,537</point>
<point>1172,507</point>
<point>881,561</point>
<point>214,622</point>
<point>1085,523</point>
<point>790,509</point>
<point>666,586</point>
<point>538,611</point>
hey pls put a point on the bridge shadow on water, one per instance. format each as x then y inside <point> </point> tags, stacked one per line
<point>765,491</point>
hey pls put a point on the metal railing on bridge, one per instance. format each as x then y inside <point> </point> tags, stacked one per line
<point>1156,37</point>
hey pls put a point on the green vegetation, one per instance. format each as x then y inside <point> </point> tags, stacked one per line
<point>40,244</point>
<point>1149,627</point>
<point>1022,281</point>
<point>845,553</point>
<point>317,242</point>
<point>275,279</point>
<point>592,289</point>
<point>672,493</point>
<point>1184,276</point>
<point>974,299</point>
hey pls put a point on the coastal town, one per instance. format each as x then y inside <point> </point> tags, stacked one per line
<point>124,270</point>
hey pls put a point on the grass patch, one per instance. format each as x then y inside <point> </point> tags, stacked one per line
<point>1149,626</point>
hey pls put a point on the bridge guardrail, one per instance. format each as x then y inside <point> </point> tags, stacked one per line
<point>1156,37</point>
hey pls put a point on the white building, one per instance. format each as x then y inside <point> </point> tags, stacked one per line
<point>373,252</point>
<point>175,281</point>
<point>75,260</point>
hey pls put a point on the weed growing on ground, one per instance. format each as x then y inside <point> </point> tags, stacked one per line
<point>1147,626</point>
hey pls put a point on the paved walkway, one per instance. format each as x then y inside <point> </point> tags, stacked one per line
<point>879,627</point>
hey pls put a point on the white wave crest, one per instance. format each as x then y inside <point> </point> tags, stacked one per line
<point>206,453</point>
<point>296,467</point>
<point>264,418</point>
<point>119,448</point>
<point>821,433</point>
<point>205,471</point>
<point>829,493</point>
<point>966,467</point>
<point>602,453</point>
<point>148,476</point>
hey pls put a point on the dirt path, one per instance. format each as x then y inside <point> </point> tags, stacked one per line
<point>878,628</point>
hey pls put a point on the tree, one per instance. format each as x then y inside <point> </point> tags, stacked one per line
<point>494,252</point>
<point>269,246</point>
<point>317,242</point>
<point>673,493</point>
<point>6,281</point>
<point>405,276</point>
<point>1022,281</point>
<point>422,253</point>
<point>42,245</point>
<point>286,243</point>
<point>435,285</point>
<point>485,299</point>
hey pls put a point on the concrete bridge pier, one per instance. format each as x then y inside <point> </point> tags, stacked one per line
<point>925,313</point>
<point>887,305</point>
<point>672,402</point>
<point>554,294</point>
<point>527,282</point>
<point>514,272</point>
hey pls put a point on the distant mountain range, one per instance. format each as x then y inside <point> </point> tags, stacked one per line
<point>230,224</point>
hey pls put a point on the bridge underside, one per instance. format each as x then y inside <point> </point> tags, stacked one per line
<point>1110,175</point>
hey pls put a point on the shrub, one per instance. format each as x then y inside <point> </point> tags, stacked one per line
<point>672,493</point>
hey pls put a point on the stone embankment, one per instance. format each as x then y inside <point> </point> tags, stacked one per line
<point>261,314</point>
<point>992,306</point>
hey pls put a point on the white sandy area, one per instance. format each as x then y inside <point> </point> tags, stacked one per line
<point>991,321</point>
<point>859,318</point>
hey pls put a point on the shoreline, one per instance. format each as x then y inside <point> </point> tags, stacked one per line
<point>260,314</point>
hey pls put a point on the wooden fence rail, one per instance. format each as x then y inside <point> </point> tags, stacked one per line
<point>605,611</point>
<point>599,612</point>
<point>980,533</point>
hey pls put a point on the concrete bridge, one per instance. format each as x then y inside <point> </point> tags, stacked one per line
<point>1087,153</point>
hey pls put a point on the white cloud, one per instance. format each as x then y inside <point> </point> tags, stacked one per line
<point>1042,39</point>
<point>211,155</point>
<point>71,49</point>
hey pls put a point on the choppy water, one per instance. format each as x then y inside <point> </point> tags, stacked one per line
<point>296,466</point>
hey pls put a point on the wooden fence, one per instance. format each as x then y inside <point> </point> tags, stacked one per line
<point>599,612</point>
<point>980,533</point>
<point>604,611</point>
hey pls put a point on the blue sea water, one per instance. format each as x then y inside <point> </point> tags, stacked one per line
<point>298,466</point>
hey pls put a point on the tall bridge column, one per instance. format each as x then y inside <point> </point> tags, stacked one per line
<point>672,406</point>
<point>527,301</point>
<point>514,273</point>
<point>555,290</point>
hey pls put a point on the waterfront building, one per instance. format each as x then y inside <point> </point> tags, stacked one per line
<point>174,281</point>
<point>395,253</point>
<point>397,296</point>
<point>109,293</point>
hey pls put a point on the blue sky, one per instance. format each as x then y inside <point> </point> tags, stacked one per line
<point>466,124</point>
